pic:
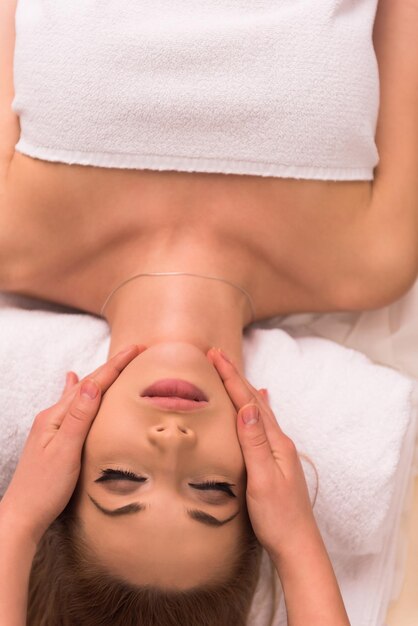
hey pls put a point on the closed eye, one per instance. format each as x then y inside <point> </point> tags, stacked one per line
<point>215,486</point>
<point>120,474</point>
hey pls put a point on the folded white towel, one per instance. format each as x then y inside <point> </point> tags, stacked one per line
<point>352,417</point>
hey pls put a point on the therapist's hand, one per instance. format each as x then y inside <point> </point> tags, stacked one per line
<point>49,466</point>
<point>277,495</point>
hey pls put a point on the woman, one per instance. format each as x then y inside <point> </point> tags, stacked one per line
<point>171,591</point>
<point>112,223</point>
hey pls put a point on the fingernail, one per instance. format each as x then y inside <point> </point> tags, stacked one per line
<point>264,392</point>
<point>67,377</point>
<point>89,389</point>
<point>223,355</point>
<point>250,415</point>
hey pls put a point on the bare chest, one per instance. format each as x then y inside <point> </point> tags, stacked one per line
<point>74,232</point>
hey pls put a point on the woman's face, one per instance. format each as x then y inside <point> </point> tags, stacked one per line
<point>139,525</point>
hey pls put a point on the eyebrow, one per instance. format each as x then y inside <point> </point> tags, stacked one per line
<point>135,507</point>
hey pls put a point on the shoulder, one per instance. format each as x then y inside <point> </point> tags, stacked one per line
<point>9,121</point>
<point>386,258</point>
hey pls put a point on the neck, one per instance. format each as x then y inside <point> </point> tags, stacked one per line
<point>195,310</point>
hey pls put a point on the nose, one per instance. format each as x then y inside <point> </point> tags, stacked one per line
<point>171,433</point>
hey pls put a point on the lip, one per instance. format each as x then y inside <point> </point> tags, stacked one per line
<point>175,394</point>
<point>175,404</point>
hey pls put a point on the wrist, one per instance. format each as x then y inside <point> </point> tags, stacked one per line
<point>304,547</point>
<point>16,531</point>
<point>310,587</point>
<point>17,549</point>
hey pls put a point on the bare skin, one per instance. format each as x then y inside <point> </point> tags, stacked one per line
<point>114,223</point>
<point>72,233</point>
<point>171,449</point>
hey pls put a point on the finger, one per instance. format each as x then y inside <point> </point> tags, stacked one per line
<point>264,393</point>
<point>104,376</point>
<point>71,379</point>
<point>224,365</point>
<point>260,449</point>
<point>242,392</point>
<point>253,439</point>
<point>107,373</point>
<point>238,387</point>
<point>79,417</point>
<point>67,383</point>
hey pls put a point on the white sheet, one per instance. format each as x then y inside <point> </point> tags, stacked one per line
<point>388,335</point>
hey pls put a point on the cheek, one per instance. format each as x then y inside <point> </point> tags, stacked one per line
<point>110,427</point>
<point>221,444</point>
<point>97,434</point>
<point>102,440</point>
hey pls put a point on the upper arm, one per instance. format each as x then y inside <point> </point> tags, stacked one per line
<point>395,39</point>
<point>392,218</point>
<point>9,121</point>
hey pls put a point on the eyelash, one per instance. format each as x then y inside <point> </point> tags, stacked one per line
<point>121,474</point>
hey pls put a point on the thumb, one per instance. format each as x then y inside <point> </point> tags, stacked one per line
<point>252,437</point>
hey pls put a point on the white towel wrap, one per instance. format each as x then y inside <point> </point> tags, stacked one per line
<point>266,87</point>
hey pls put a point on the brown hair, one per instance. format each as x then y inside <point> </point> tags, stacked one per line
<point>68,588</point>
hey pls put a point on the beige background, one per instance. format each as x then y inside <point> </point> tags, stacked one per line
<point>404,612</point>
